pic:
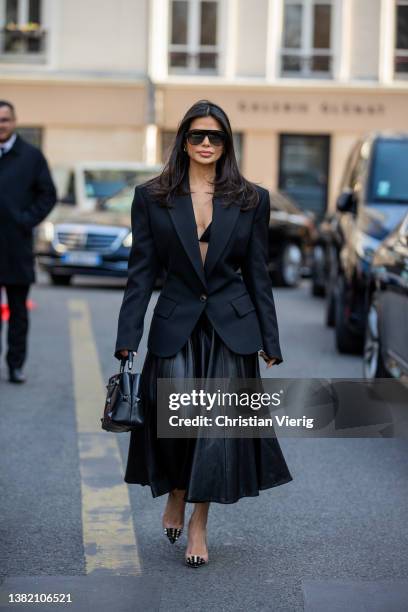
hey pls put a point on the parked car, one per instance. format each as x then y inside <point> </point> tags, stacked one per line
<point>71,242</point>
<point>373,199</point>
<point>291,234</point>
<point>86,182</point>
<point>320,262</point>
<point>386,332</point>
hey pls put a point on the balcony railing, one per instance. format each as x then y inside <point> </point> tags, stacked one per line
<point>319,64</point>
<point>23,44</point>
<point>183,61</point>
<point>401,63</point>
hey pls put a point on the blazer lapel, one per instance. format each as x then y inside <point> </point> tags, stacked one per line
<point>182,215</point>
<point>223,221</point>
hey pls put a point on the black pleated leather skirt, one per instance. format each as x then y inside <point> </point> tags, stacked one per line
<point>209,469</point>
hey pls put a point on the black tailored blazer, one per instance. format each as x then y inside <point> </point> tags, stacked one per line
<point>233,285</point>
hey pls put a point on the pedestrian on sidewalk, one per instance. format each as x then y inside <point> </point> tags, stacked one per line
<point>203,221</point>
<point>27,195</point>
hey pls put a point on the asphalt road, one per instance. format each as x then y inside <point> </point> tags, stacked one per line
<point>342,518</point>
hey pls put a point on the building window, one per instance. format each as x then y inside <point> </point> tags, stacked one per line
<point>33,135</point>
<point>307,38</point>
<point>23,36</point>
<point>193,36</point>
<point>167,142</point>
<point>401,39</point>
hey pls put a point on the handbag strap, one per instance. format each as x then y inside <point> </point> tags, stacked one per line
<point>128,359</point>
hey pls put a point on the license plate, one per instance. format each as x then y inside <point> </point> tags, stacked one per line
<point>81,258</point>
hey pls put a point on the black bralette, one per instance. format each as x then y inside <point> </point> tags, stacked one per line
<point>205,237</point>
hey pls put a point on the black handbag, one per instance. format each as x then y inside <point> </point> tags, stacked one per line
<point>123,406</point>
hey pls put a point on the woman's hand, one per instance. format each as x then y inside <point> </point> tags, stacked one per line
<point>269,360</point>
<point>125,353</point>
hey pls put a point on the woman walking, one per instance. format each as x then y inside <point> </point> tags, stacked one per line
<point>202,221</point>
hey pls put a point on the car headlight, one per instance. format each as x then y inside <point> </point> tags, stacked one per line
<point>128,240</point>
<point>46,231</point>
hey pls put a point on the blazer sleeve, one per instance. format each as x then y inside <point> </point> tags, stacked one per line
<point>257,279</point>
<point>143,268</point>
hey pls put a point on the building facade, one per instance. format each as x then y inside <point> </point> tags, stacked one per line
<point>301,80</point>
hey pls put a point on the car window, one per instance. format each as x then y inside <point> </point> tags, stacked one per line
<point>389,182</point>
<point>70,190</point>
<point>104,183</point>
<point>121,201</point>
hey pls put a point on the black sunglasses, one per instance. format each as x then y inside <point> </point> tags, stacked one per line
<point>216,137</point>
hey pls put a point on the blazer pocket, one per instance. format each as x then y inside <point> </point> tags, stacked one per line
<point>242,305</point>
<point>164,306</point>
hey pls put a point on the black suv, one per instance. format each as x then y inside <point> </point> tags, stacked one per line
<point>373,199</point>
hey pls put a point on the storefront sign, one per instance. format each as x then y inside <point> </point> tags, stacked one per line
<point>324,107</point>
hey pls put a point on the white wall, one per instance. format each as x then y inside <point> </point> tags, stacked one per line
<point>251,38</point>
<point>103,35</point>
<point>67,145</point>
<point>365,39</point>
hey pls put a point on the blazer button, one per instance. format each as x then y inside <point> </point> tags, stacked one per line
<point>203,297</point>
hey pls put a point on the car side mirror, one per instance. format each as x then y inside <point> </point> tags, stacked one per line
<point>345,201</point>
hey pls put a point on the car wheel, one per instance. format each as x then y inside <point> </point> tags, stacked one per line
<point>60,279</point>
<point>318,288</point>
<point>373,365</point>
<point>346,340</point>
<point>290,265</point>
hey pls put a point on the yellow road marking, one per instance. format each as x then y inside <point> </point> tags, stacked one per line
<point>109,539</point>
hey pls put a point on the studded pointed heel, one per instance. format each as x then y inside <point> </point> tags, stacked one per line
<point>195,561</point>
<point>173,533</point>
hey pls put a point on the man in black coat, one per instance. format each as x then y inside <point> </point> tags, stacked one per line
<point>27,195</point>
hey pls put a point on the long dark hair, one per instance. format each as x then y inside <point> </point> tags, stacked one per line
<point>229,182</point>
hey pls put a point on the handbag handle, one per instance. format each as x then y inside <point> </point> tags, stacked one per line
<point>128,359</point>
